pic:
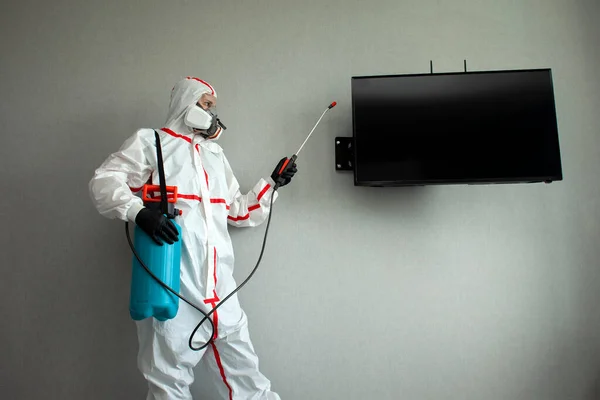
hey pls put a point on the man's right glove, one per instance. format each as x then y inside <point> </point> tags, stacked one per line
<point>157,226</point>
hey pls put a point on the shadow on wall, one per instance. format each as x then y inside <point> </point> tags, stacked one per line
<point>588,10</point>
<point>594,392</point>
<point>407,201</point>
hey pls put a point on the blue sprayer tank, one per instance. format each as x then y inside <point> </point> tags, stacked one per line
<point>149,298</point>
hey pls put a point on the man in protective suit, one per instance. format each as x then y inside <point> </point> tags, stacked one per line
<point>210,199</point>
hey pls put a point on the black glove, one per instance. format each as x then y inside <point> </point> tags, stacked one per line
<point>157,226</point>
<point>286,176</point>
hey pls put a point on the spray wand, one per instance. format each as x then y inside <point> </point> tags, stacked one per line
<point>290,161</point>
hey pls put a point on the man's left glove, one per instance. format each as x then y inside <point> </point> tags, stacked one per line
<point>286,175</point>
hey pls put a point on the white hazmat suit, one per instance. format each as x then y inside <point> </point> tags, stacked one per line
<point>210,198</point>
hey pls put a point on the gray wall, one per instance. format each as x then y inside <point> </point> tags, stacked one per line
<point>459,292</point>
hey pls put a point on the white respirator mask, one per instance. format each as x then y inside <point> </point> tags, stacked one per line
<point>203,120</point>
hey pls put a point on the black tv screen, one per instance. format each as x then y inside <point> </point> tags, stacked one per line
<point>452,128</point>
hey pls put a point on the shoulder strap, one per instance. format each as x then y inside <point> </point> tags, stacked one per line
<point>161,176</point>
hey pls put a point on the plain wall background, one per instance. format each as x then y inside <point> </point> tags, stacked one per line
<point>455,292</point>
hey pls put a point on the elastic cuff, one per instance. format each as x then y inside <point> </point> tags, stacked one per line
<point>133,211</point>
<point>272,190</point>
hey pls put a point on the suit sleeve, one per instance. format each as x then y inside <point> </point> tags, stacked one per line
<point>250,209</point>
<point>121,175</point>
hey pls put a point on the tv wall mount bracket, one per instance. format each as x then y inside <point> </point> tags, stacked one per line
<point>344,153</point>
<point>431,66</point>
